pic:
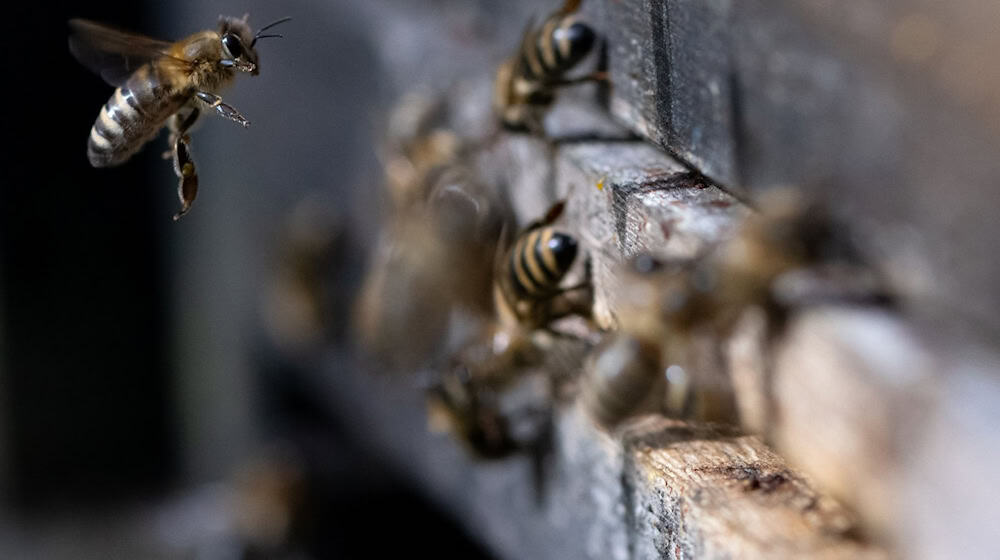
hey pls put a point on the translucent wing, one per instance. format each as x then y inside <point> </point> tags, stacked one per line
<point>115,54</point>
<point>570,6</point>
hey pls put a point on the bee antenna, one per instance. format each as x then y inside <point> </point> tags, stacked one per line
<point>272,24</point>
<point>259,37</point>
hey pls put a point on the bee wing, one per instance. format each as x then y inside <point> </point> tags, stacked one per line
<point>551,215</point>
<point>570,6</point>
<point>114,54</point>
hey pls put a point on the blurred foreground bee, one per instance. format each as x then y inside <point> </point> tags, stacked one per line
<point>623,373</point>
<point>433,262</point>
<point>469,409</point>
<point>160,83</point>
<point>526,83</point>
<point>790,255</point>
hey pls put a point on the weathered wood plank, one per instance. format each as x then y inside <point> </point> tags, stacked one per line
<point>904,436</point>
<point>656,489</point>
<point>702,491</point>
<point>670,66</point>
<point>889,111</point>
<point>630,198</point>
<point>716,90</point>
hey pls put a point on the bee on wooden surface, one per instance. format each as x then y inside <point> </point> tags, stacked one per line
<point>789,255</point>
<point>513,349</point>
<point>526,83</point>
<point>163,84</point>
<point>622,374</point>
<point>434,259</point>
<point>625,375</point>
<point>496,396</point>
<point>468,408</point>
<point>526,290</point>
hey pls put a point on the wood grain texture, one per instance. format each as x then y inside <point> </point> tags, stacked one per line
<point>630,198</point>
<point>670,69</point>
<point>701,491</point>
<point>889,111</point>
<point>748,95</point>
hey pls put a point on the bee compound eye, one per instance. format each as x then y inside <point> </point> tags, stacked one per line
<point>563,247</point>
<point>233,45</point>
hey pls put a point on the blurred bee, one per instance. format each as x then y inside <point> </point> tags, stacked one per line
<point>623,373</point>
<point>790,255</point>
<point>528,296</point>
<point>417,142</point>
<point>526,289</point>
<point>468,408</point>
<point>309,293</point>
<point>497,396</point>
<point>526,83</point>
<point>163,84</point>
<point>433,261</point>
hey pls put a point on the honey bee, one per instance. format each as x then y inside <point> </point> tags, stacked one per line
<point>526,287</point>
<point>433,260</point>
<point>528,296</point>
<point>526,83</point>
<point>468,408</point>
<point>163,84</point>
<point>623,378</point>
<point>790,255</point>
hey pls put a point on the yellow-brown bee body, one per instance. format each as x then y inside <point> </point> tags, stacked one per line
<point>622,375</point>
<point>162,84</point>
<point>526,83</point>
<point>528,279</point>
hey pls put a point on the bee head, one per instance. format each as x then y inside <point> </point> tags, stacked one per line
<point>563,248</point>
<point>239,40</point>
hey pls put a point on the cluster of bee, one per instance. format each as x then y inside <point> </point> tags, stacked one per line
<point>454,286</point>
<point>789,255</point>
<point>162,84</point>
<point>447,247</point>
<point>451,289</point>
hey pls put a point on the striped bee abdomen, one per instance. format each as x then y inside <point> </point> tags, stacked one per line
<point>538,261</point>
<point>130,118</point>
<point>558,45</point>
<point>623,376</point>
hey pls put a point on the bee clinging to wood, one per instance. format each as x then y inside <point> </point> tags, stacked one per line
<point>469,399</point>
<point>469,409</point>
<point>791,255</point>
<point>163,84</point>
<point>623,373</point>
<point>526,83</point>
<point>527,290</point>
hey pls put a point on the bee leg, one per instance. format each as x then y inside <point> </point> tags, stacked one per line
<point>184,167</point>
<point>178,125</point>
<point>599,76</point>
<point>224,110</point>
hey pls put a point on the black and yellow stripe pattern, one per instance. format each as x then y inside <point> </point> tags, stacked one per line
<point>133,115</point>
<point>538,261</point>
<point>555,47</point>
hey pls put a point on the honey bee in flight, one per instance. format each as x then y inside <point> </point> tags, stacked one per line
<point>526,83</point>
<point>163,84</point>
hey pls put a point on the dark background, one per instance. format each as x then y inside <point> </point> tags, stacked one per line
<point>135,378</point>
